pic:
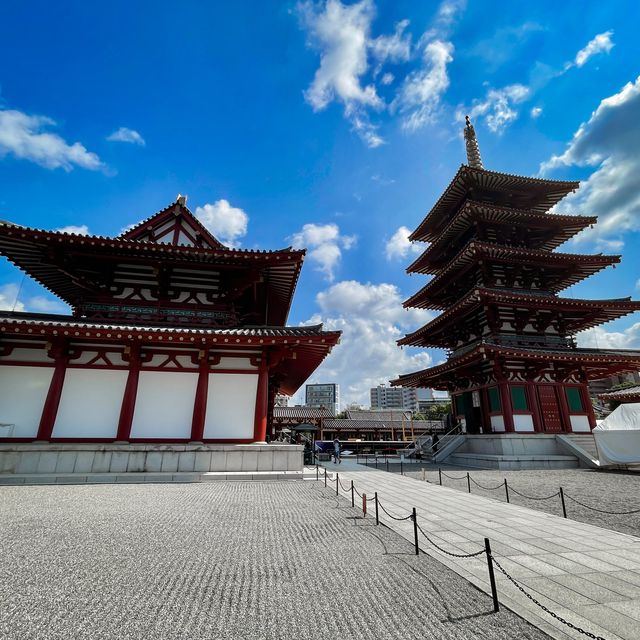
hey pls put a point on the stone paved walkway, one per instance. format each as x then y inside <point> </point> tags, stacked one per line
<point>586,574</point>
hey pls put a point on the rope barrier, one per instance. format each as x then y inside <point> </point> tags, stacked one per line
<point>500,486</point>
<point>446,475</point>
<point>450,553</point>
<point>614,513</point>
<point>342,486</point>
<point>360,495</point>
<point>545,609</point>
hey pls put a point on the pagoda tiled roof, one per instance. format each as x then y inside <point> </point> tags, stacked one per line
<point>607,310</point>
<point>630,394</point>
<point>582,266</point>
<point>535,194</point>
<point>564,226</point>
<point>600,359</point>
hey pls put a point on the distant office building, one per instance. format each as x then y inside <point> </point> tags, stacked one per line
<point>281,401</point>
<point>323,395</point>
<point>403,398</point>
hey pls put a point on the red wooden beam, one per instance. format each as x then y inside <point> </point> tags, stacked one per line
<point>59,353</point>
<point>262,401</point>
<point>130,393</point>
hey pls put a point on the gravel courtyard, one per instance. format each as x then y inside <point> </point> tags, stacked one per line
<point>609,491</point>
<point>222,560</point>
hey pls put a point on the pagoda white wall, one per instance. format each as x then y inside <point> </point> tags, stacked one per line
<point>23,391</point>
<point>235,363</point>
<point>90,404</point>
<point>579,424</point>
<point>523,422</point>
<point>164,405</point>
<point>231,405</point>
<point>497,423</point>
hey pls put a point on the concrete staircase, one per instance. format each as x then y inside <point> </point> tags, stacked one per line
<point>582,446</point>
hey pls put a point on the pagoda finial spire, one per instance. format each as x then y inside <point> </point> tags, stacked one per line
<point>473,150</point>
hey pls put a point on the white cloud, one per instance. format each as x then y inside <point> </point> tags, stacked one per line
<point>638,284</point>
<point>419,96</point>
<point>600,44</point>
<point>82,230</point>
<point>228,224</point>
<point>25,137</point>
<point>399,245</point>
<point>536,112</point>
<point>12,300</point>
<point>371,318</point>
<point>387,79</point>
<point>396,47</point>
<point>9,298</point>
<point>325,244</point>
<point>123,134</point>
<point>341,32</point>
<point>609,141</point>
<point>599,338</point>
<point>499,107</point>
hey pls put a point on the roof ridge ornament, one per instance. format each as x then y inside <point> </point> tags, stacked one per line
<point>471,142</point>
<point>182,199</point>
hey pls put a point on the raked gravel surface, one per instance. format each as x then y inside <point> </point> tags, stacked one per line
<point>272,560</point>
<point>602,490</point>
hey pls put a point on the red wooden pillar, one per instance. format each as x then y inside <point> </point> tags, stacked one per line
<point>130,394</point>
<point>200,404</point>
<point>262,402</point>
<point>588,406</point>
<point>564,408</point>
<point>60,354</point>
<point>507,411</point>
<point>534,404</point>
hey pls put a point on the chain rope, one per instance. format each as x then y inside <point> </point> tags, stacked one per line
<point>450,553</point>
<point>524,495</point>
<point>410,516</point>
<point>446,475</point>
<point>499,486</point>
<point>614,513</point>
<point>545,609</point>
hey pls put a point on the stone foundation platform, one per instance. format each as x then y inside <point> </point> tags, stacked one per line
<point>100,462</point>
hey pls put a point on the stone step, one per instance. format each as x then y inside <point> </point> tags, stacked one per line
<point>488,461</point>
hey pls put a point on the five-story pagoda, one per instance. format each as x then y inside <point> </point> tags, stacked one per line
<point>513,363</point>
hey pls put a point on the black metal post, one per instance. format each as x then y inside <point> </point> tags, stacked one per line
<point>376,499</point>
<point>401,468</point>
<point>440,475</point>
<point>325,477</point>
<point>506,489</point>
<point>317,472</point>
<point>564,507</point>
<point>387,464</point>
<point>492,578</point>
<point>337,482</point>
<point>353,502</point>
<point>414,517</point>
<point>469,482</point>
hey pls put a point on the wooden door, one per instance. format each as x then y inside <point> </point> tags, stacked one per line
<point>550,409</point>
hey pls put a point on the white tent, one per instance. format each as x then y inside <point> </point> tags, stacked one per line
<point>618,436</point>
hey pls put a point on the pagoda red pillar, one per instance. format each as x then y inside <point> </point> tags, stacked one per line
<point>200,404</point>
<point>262,403</point>
<point>130,394</point>
<point>564,408</point>
<point>534,405</point>
<point>59,353</point>
<point>505,400</point>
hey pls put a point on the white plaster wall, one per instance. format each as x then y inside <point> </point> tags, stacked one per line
<point>231,405</point>
<point>580,423</point>
<point>30,355</point>
<point>164,405</point>
<point>523,422</point>
<point>90,404</point>
<point>235,363</point>
<point>497,423</point>
<point>23,391</point>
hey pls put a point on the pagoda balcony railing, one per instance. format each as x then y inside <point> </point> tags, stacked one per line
<point>517,340</point>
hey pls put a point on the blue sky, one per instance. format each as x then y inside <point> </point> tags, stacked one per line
<point>327,125</point>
